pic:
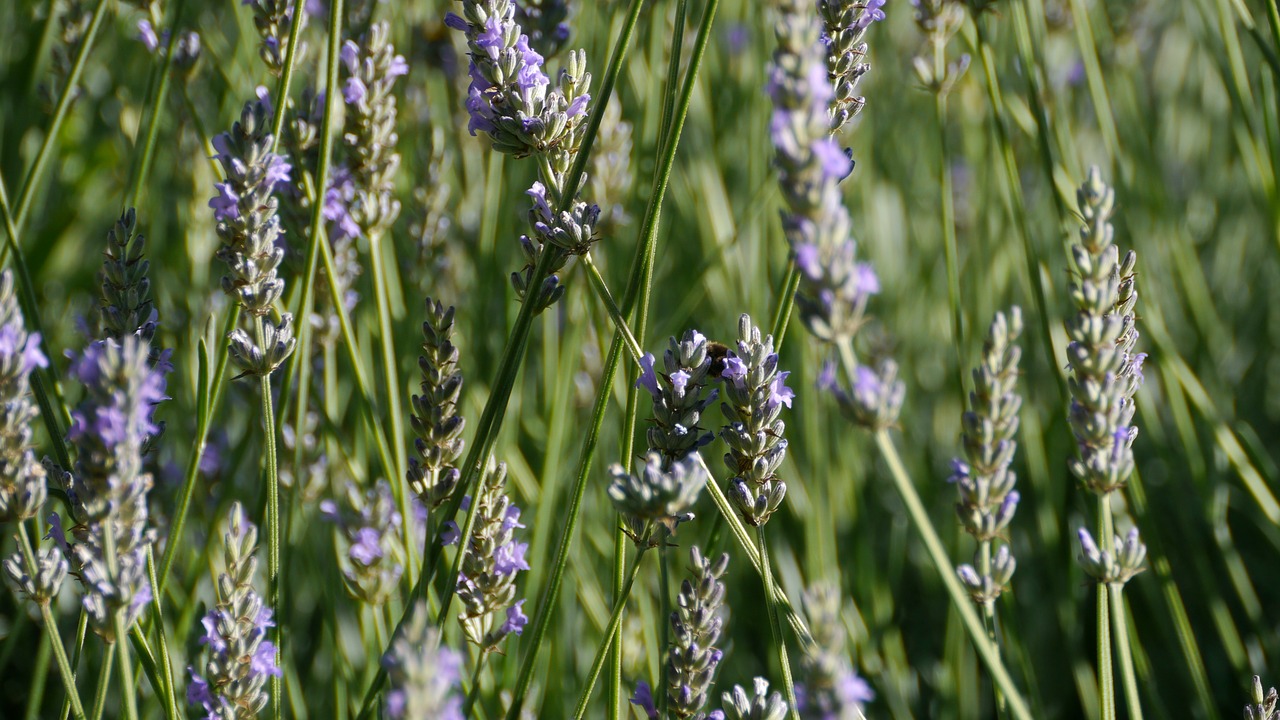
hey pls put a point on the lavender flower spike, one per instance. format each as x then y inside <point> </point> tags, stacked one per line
<point>433,474</point>
<point>1106,371</point>
<point>661,493</point>
<point>755,393</point>
<point>831,688</point>
<point>486,584</point>
<point>680,396</point>
<point>696,625</point>
<point>273,19</point>
<point>984,478</point>
<point>107,485</point>
<point>845,24</point>
<point>22,478</point>
<point>249,227</point>
<point>834,286</point>
<point>423,673</point>
<point>240,659</point>
<point>1262,706</point>
<point>371,551</point>
<point>372,67</point>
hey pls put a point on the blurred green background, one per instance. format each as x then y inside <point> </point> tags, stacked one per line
<point>1176,101</point>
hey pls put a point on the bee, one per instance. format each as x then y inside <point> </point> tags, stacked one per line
<point>717,351</point>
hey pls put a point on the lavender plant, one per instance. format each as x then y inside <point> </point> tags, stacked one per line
<point>433,474</point>
<point>239,659</point>
<point>492,560</point>
<point>273,20</point>
<point>831,689</point>
<point>844,24</point>
<point>371,550</point>
<point>423,673</point>
<point>983,476</point>
<point>22,478</point>
<point>759,705</point>
<point>696,625</point>
<point>1262,706</point>
<point>661,494</point>
<point>680,395</point>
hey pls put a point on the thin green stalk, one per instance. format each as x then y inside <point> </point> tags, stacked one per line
<point>1106,679</point>
<point>474,692</point>
<point>392,379</point>
<point>127,691</point>
<point>27,193</point>
<point>156,101</point>
<point>51,627</point>
<point>291,53</point>
<point>213,392</point>
<point>104,681</point>
<point>618,606</point>
<point>619,322</point>
<point>166,663</point>
<point>664,629</point>
<point>786,301</point>
<point>989,618</point>
<point>1132,700</point>
<point>947,207</point>
<point>1016,207</point>
<point>1094,78</point>
<point>82,627</point>
<point>775,627</point>
<point>40,679</point>
<point>673,72</point>
<point>273,516</point>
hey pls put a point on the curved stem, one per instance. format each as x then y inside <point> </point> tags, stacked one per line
<point>619,605</point>
<point>619,322</point>
<point>775,628</point>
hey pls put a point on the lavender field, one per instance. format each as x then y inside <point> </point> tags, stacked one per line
<point>680,359</point>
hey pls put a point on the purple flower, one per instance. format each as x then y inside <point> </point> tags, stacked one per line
<point>808,259</point>
<point>511,520</point>
<point>648,378</point>
<point>367,548</point>
<point>225,205</point>
<point>29,351</point>
<point>452,20</point>
<point>491,39</point>
<point>277,170</point>
<point>779,393</point>
<point>865,280</point>
<point>350,56</point>
<point>835,163</point>
<point>827,378</point>
<point>198,690</point>
<point>264,660</point>
<point>734,369</point>
<point>57,534</point>
<point>643,698</point>
<point>450,534</point>
<point>516,619</point>
<point>337,199</point>
<point>509,558</point>
<point>578,106</point>
<point>871,14</point>
<point>147,35</point>
<point>398,67</point>
<point>211,636</point>
<point>354,91</point>
<point>538,192</point>
<point>263,619</point>
<point>140,599</point>
<point>679,381</point>
<point>867,384</point>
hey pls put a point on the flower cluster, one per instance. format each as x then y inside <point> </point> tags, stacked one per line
<point>662,493</point>
<point>240,657</point>
<point>845,23</point>
<point>250,230</point>
<point>569,232</point>
<point>695,628</point>
<point>371,555</point>
<point>834,286</point>
<point>487,582</point>
<point>22,478</point>
<point>679,396</point>
<point>423,674</point>
<point>984,478</point>
<point>761,705</point>
<point>434,474</point>
<point>755,393</point>
<point>273,19</point>
<point>547,22</point>
<point>511,98</point>
<point>186,51</point>
<point>938,21</point>
<point>369,130</point>
<point>832,689</point>
<point>1112,567</point>
<point>41,583</point>
<point>107,486</point>
<point>1106,372</point>
<point>876,397</point>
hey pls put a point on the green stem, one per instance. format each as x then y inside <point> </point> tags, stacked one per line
<point>166,663</point>
<point>27,193</point>
<point>82,627</point>
<point>619,605</point>
<point>156,102</point>
<point>775,627</point>
<point>39,679</point>
<point>291,53</point>
<point>1121,624</point>
<point>273,517</point>
<point>786,301</point>
<point>51,627</point>
<point>664,628</point>
<point>474,692</point>
<point>104,681</point>
<point>989,618</point>
<point>619,322</point>
<point>1106,679</point>
<point>214,392</point>
<point>947,207</point>
<point>127,691</point>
